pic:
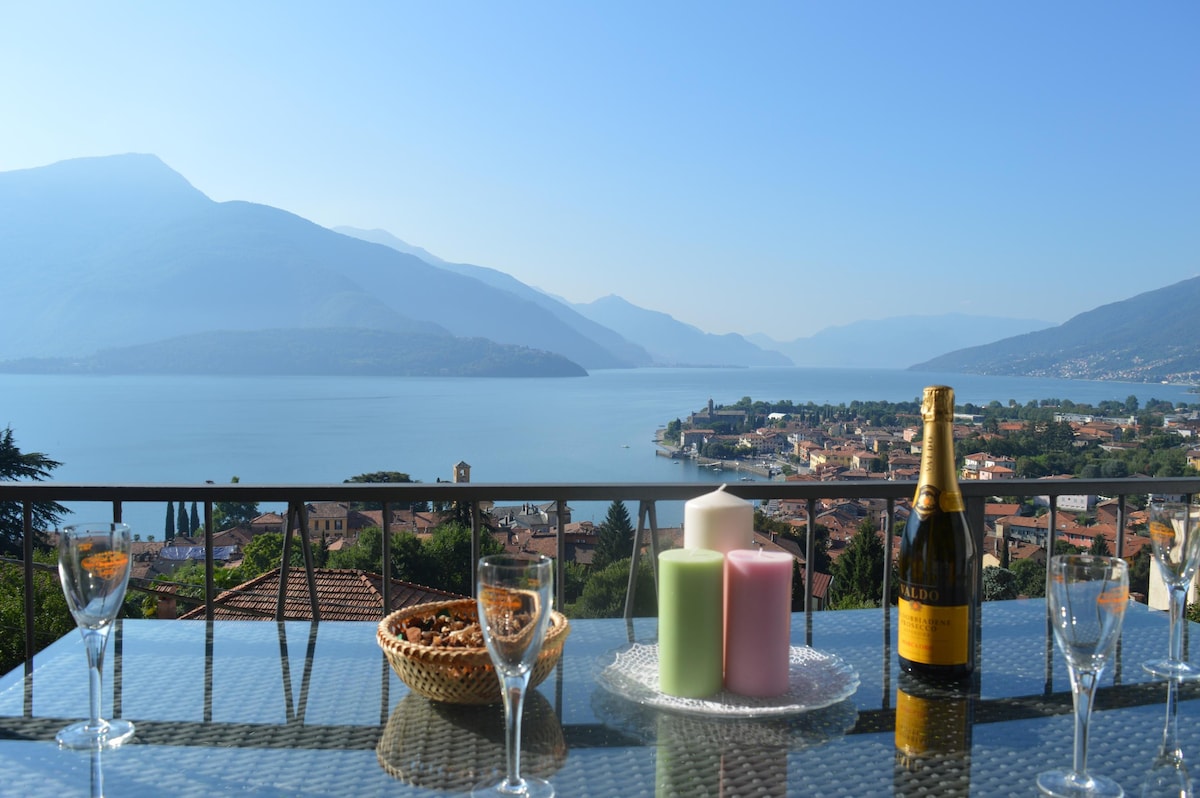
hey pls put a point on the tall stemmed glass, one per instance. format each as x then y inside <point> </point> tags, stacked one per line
<point>1175,540</point>
<point>514,595</point>
<point>1086,599</point>
<point>93,563</point>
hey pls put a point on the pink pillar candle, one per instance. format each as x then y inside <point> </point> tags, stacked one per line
<point>758,622</point>
<point>718,521</point>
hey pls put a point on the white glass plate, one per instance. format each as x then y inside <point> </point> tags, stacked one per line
<point>816,680</point>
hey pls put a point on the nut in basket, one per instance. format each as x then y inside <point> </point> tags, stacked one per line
<point>448,665</point>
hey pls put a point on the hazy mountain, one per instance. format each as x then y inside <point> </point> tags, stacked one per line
<point>313,352</point>
<point>616,351</point>
<point>1151,337</point>
<point>674,343</point>
<point>895,342</point>
<point>120,251</point>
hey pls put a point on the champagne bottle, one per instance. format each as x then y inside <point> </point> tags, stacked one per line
<point>933,737</point>
<point>938,560</point>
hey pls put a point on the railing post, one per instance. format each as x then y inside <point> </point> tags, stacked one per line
<point>386,568</point>
<point>560,557</point>
<point>634,558</point>
<point>476,544</point>
<point>210,587</point>
<point>647,512</point>
<point>27,552</point>
<point>810,537</point>
<point>284,561</point>
<point>652,517</point>
<point>1120,542</point>
<point>309,565</point>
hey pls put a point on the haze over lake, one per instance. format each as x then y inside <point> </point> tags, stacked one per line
<point>319,430</point>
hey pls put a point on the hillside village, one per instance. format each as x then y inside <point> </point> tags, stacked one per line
<point>787,447</point>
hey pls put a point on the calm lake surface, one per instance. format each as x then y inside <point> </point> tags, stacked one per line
<point>318,430</point>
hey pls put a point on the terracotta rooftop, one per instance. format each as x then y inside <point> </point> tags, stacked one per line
<point>342,595</point>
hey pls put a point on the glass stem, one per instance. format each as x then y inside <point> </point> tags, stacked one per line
<point>94,640</point>
<point>1178,602</point>
<point>1083,689</point>
<point>1170,743</point>
<point>514,703</point>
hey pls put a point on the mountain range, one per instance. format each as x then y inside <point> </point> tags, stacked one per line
<point>118,265</point>
<point>1151,337</point>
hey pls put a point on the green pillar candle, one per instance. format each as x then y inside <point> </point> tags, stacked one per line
<point>691,600</point>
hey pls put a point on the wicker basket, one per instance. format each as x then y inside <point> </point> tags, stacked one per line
<point>458,675</point>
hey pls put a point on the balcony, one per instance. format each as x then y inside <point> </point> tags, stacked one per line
<point>646,497</point>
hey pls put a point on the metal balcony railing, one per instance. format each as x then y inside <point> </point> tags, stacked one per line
<point>646,495</point>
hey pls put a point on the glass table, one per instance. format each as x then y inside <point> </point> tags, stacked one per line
<point>268,709</point>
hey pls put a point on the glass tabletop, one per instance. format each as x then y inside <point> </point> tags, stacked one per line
<point>263,708</point>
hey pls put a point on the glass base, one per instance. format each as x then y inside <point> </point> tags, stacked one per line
<point>531,787</point>
<point>1179,670</point>
<point>107,734</point>
<point>1068,784</point>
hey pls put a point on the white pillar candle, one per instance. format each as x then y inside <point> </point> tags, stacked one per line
<point>718,521</point>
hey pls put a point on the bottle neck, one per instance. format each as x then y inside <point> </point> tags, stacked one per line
<point>938,476</point>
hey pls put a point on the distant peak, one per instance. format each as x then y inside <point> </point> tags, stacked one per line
<point>143,172</point>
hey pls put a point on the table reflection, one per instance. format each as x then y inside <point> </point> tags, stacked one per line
<point>456,747</point>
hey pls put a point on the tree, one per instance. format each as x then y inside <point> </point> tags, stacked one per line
<point>387,477</point>
<point>51,618</point>
<point>858,573</point>
<point>194,521</point>
<point>604,594</point>
<point>227,515</point>
<point>1063,547</point>
<point>190,579</point>
<point>1031,577</point>
<point>615,539</point>
<point>169,528</point>
<point>16,465</point>
<point>265,552</point>
<point>999,584</point>
<point>1099,547</point>
<point>575,579</point>
<point>1139,573</point>
<point>181,520</point>
<point>449,552</point>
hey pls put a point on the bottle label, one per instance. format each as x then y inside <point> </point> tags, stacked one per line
<point>929,633</point>
<point>930,499</point>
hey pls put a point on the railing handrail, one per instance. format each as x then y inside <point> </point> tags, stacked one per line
<point>580,491</point>
<point>296,496</point>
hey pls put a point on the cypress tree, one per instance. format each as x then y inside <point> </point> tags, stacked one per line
<point>858,573</point>
<point>195,520</point>
<point>181,523</point>
<point>169,529</point>
<point>614,541</point>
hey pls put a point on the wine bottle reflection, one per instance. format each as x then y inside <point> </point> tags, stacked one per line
<point>933,738</point>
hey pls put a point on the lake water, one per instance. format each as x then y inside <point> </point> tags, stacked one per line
<point>317,430</point>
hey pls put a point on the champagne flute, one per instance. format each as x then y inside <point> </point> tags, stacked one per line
<point>1175,540</point>
<point>1086,600</point>
<point>93,563</point>
<point>514,594</point>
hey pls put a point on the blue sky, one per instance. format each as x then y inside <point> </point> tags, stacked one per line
<point>750,167</point>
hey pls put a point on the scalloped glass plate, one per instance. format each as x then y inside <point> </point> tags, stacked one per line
<point>817,680</point>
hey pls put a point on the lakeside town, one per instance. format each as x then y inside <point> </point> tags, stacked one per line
<point>753,440</point>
